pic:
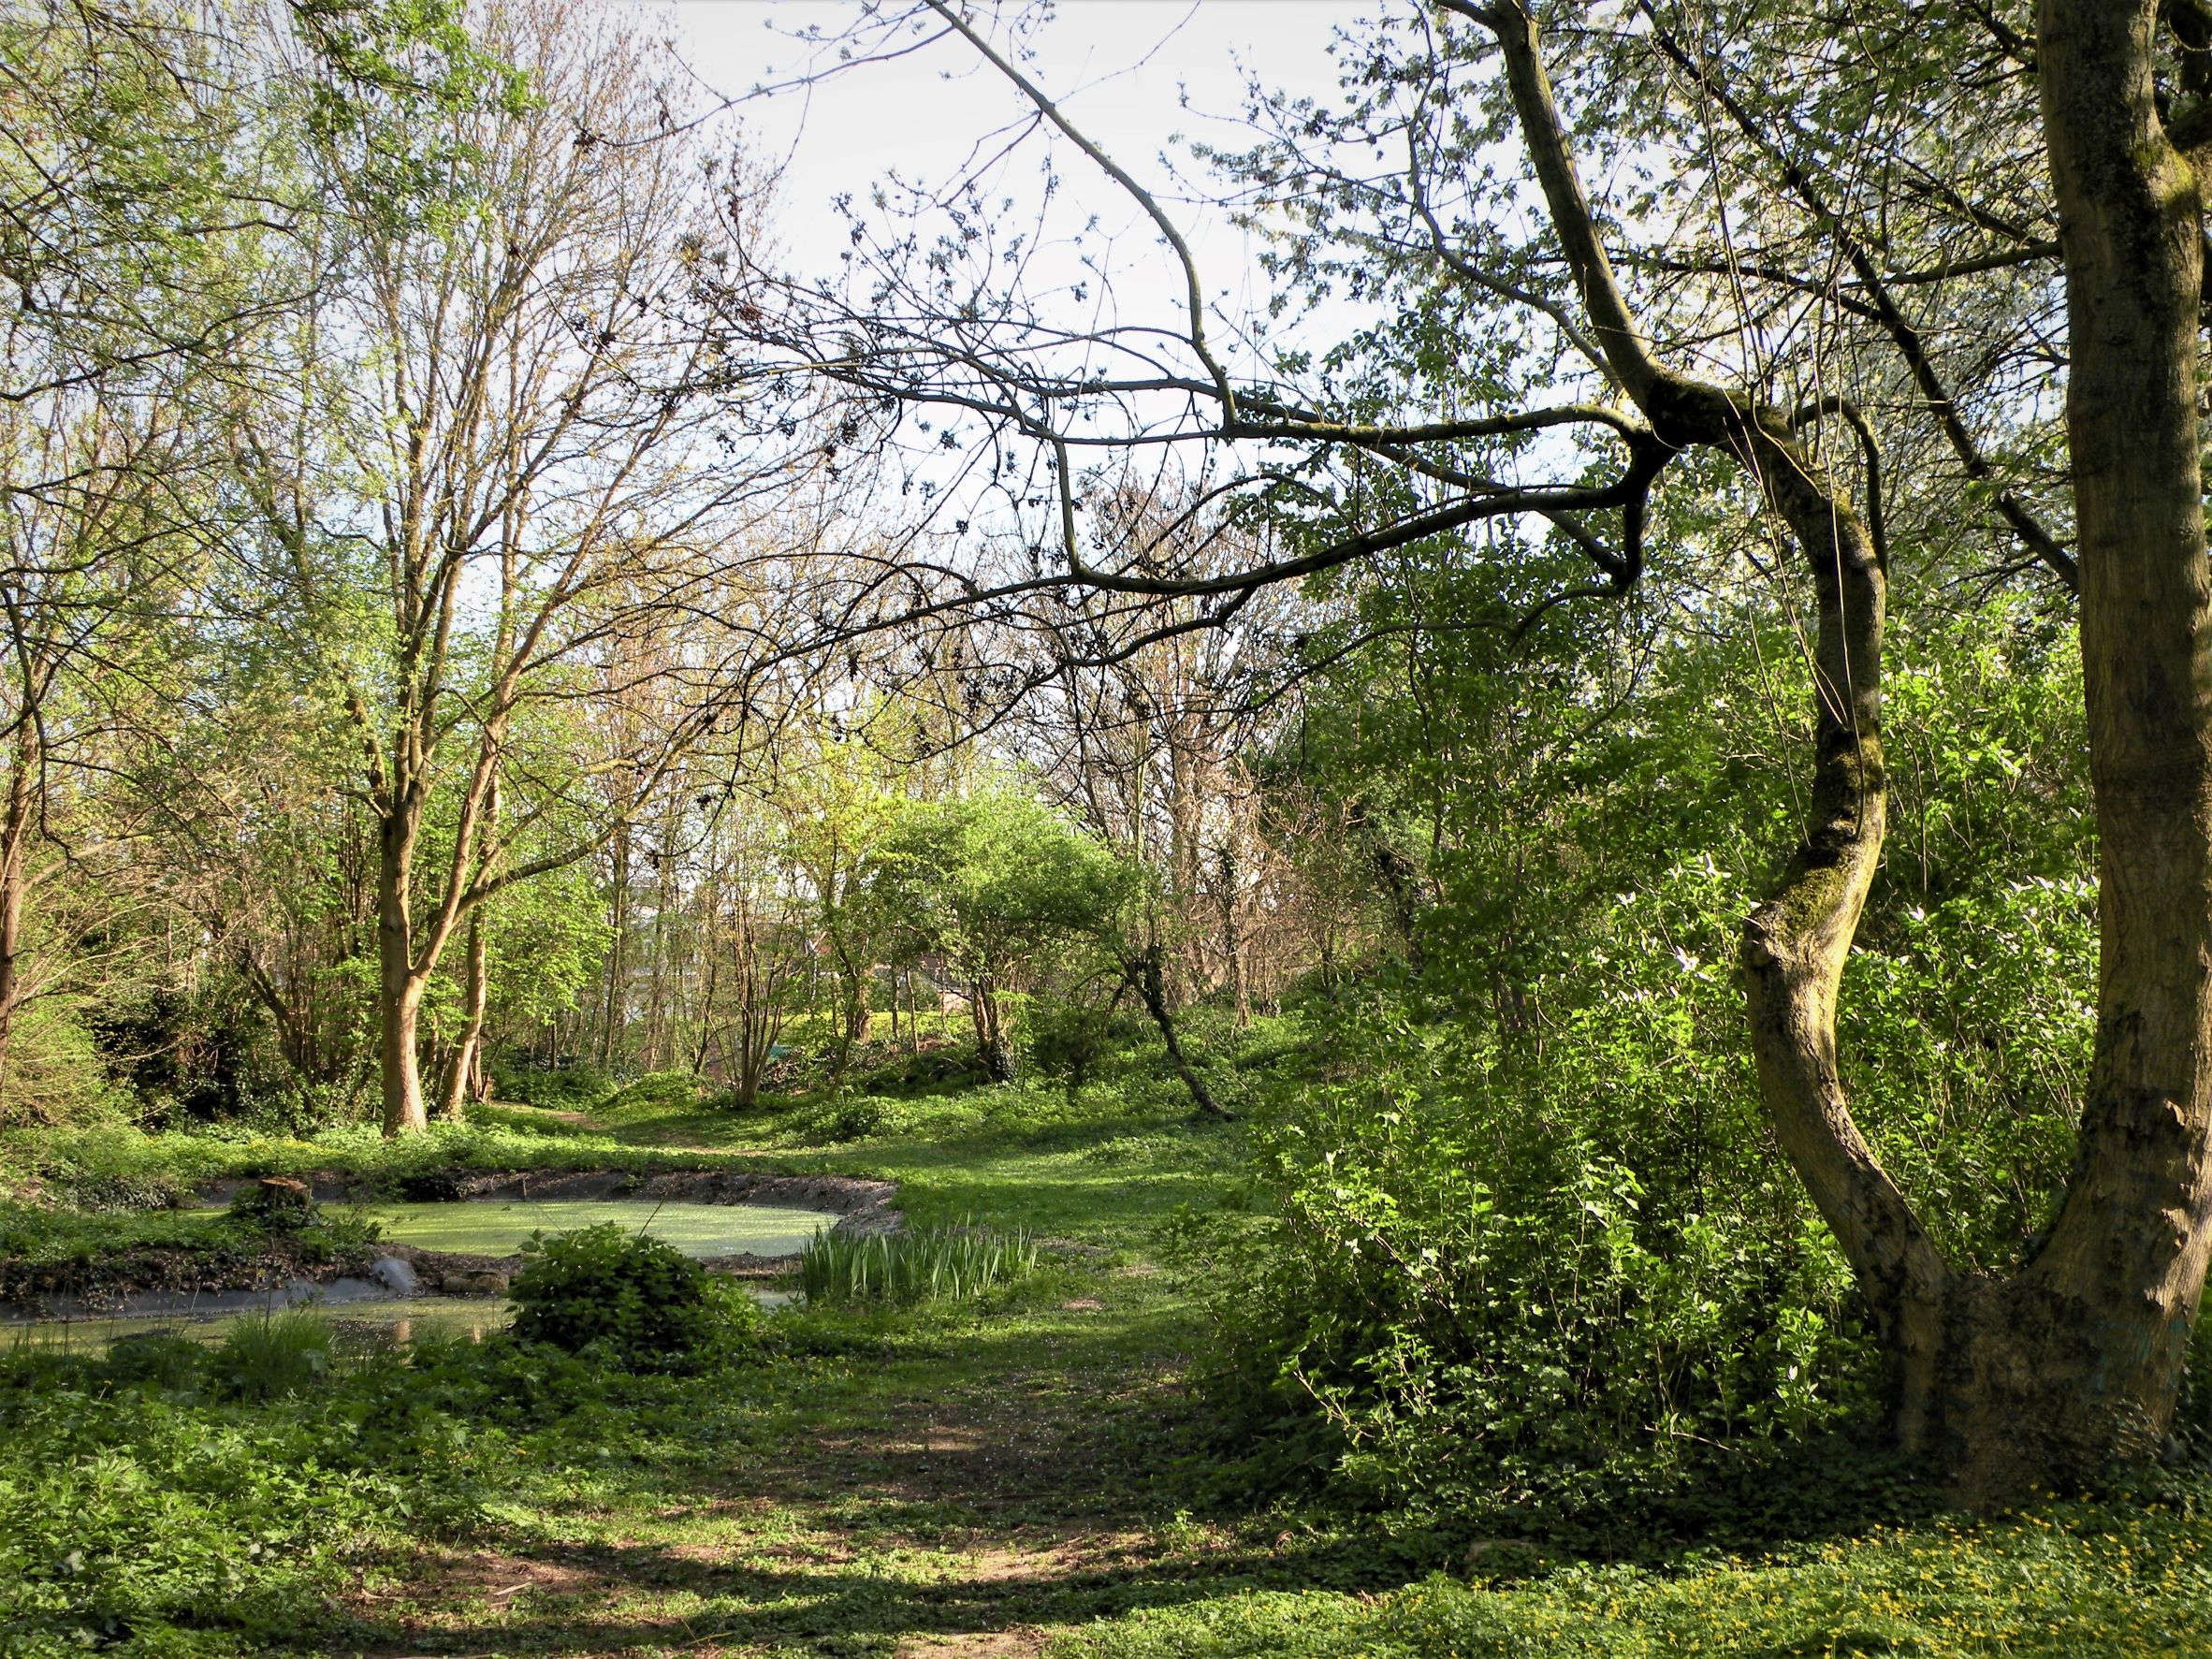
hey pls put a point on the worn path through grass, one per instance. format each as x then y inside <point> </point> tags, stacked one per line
<point>945,1481</point>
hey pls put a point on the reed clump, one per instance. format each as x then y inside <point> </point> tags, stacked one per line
<point>931,1264</point>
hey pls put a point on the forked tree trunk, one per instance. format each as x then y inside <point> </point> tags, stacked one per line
<point>2074,1362</point>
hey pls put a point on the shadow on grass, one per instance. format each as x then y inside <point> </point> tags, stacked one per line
<point>851,1608</point>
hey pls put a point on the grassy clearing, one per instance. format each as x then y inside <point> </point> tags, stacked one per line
<point>1022,1472</point>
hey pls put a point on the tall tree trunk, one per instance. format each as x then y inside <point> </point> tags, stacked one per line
<point>460,1076</point>
<point>398,987</point>
<point>2076,1361</point>
<point>993,1046</point>
<point>617,1010</point>
<point>1796,944</point>
<point>15,874</point>
<point>464,1080</point>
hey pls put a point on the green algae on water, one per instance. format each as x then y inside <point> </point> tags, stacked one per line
<point>491,1227</point>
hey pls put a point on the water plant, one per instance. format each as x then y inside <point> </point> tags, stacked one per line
<point>934,1264</point>
<point>278,1354</point>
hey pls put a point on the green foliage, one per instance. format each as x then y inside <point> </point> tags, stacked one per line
<point>657,1091</point>
<point>993,881</point>
<point>642,1304</point>
<point>935,1265</point>
<point>833,1119</point>
<point>276,1354</point>
<point>567,1088</point>
<point>1070,1040</point>
<point>939,1069</point>
<point>174,1499</point>
<point>149,1508</point>
<point>1534,1251</point>
<point>277,1204</point>
<point>2073,1580</point>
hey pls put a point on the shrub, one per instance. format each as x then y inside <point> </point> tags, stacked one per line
<point>1068,1041</point>
<point>161,1358</point>
<point>276,1204</point>
<point>657,1091</point>
<point>105,1193</point>
<point>836,1118</point>
<point>643,1303</point>
<point>945,1264</point>
<point>939,1067</point>
<point>1496,1293</point>
<point>565,1088</point>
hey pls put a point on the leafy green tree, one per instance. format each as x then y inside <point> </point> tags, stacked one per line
<point>993,882</point>
<point>1969,218</point>
<point>487,491</point>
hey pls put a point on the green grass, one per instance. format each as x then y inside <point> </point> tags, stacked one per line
<point>271,1355</point>
<point>1019,1473</point>
<point>935,1264</point>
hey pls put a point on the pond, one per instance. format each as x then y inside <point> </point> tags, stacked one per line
<point>497,1227</point>
<point>364,1310</point>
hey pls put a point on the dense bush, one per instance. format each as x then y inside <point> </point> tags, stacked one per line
<point>657,1091</point>
<point>939,1067</point>
<point>1471,1299</point>
<point>1534,1247</point>
<point>644,1304</point>
<point>1070,1040</point>
<point>832,1119</point>
<point>565,1088</point>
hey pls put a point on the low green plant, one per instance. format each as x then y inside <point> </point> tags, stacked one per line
<point>276,1204</point>
<point>644,1304</point>
<point>566,1088</point>
<point>159,1358</point>
<point>939,1264</point>
<point>267,1357</point>
<point>836,1118</point>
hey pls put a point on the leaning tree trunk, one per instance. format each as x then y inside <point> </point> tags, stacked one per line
<point>1145,974</point>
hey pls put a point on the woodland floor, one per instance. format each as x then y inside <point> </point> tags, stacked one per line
<point>944,1482</point>
<point>1026,1475</point>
